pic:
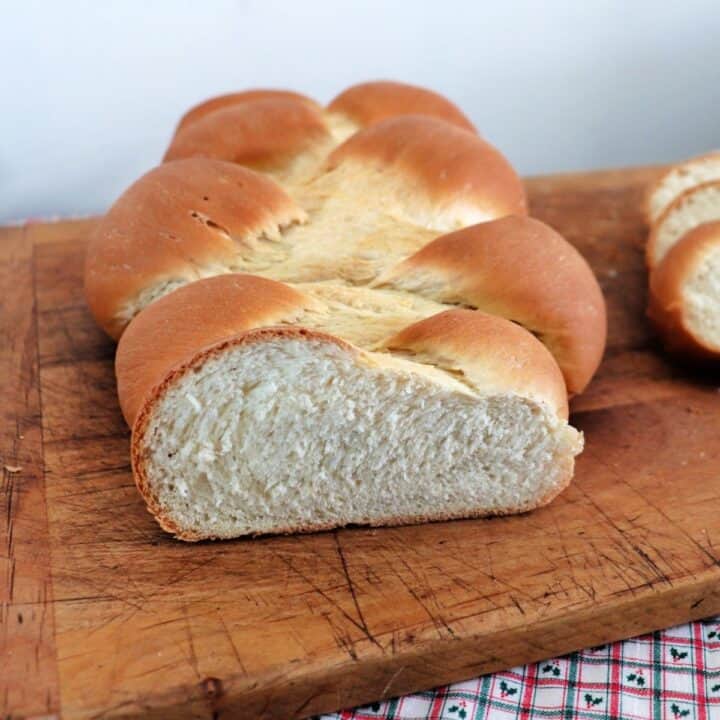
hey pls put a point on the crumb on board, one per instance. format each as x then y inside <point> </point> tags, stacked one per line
<point>12,468</point>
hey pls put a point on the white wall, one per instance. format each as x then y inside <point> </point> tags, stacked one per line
<point>90,91</point>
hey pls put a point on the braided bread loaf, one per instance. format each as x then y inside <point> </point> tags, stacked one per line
<point>341,315</point>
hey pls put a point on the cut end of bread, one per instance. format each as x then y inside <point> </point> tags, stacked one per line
<point>698,205</point>
<point>701,298</point>
<point>677,180</point>
<point>685,294</point>
<point>284,431</point>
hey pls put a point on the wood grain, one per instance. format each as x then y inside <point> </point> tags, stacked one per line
<point>139,625</point>
<point>28,672</point>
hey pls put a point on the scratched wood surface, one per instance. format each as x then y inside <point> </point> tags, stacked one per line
<point>104,616</point>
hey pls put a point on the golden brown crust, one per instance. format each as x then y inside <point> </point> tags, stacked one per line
<point>172,221</point>
<point>266,129</point>
<point>371,102</point>
<point>523,270</point>
<point>666,307</point>
<point>453,166</point>
<point>175,327</point>
<point>232,99</point>
<point>264,134</point>
<point>492,353</point>
<point>651,249</point>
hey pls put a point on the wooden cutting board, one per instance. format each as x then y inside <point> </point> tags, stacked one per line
<point>106,616</point>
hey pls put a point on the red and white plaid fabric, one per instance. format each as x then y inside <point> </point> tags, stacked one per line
<point>668,675</point>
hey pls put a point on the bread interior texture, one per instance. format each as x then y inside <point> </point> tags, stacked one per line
<point>296,433</point>
<point>697,208</point>
<point>701,293</point>
<point>683,178</point>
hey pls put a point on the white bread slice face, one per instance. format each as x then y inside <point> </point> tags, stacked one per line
<point>698,205</point>
<point>701,295</point>
<point>291,430</point>
<point>677,180</point>
<point>685,294</point>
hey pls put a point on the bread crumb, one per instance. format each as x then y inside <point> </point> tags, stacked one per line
<point>612,272</point>
<point>12,468</point>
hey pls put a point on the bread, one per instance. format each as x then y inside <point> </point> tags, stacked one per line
<point>267,135</point>
<point>289,135</point>
<point>314,333</point>
<point>246,419</point>
<point>685,294</point>
<point>357,107</point>
<point>683,255</point>
<point>677,180</point>
<point>520,269</point>
<point>371,102</point>
<point>179,222</point>
<point>385,192</point>
<point>247,96</point>
<point>696,205</point>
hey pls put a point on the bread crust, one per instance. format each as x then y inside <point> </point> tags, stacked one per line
<point>666,306</point>
<point>453,166</point>
<point>489,352</point>
<point>266,129</point>
<point>233,99</point>
<point>523,270</point>
<point>170,222</point>
<point>651,247</point>
<point>445,327</point>
<point>176,326</point>
<point>265,134</point>
<point>368,103</point>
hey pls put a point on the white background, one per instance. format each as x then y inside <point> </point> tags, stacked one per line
<point>90,92</point>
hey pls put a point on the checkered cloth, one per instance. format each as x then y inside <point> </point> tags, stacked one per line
<point>668,675</point>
